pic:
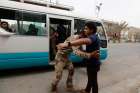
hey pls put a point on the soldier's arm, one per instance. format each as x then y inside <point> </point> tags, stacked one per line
<point>94,54</point>
<point>77,42</point>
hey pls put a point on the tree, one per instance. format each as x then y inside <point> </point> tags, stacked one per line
<point>114,29</point>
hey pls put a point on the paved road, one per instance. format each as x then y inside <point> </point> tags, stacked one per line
<point>120,73</point>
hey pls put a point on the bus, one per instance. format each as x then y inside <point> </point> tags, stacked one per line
<point>30,41</point>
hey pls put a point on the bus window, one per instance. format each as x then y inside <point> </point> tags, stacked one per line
<point>8,17</point>
<point>60,29</point>
<point>32,24</point>
<point>79,25</point>
<point>24,23</point>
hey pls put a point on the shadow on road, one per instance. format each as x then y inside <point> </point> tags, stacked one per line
<point>31,70</point>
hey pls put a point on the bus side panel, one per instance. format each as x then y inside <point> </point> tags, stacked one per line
<point>21,60</point>
<point>23,51</point>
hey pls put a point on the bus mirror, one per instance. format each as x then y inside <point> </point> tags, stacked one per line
<point>5,33</point>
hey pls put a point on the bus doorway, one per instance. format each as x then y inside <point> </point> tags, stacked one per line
<point>59,30</point>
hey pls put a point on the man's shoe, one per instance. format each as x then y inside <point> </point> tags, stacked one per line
<point>83,91</point>
<point>70,88</point>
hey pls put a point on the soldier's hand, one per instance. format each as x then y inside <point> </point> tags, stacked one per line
<point>95,54</point>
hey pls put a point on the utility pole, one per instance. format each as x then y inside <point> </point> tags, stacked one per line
<point>57,1</point>
<point>98,8</point>
<point>22,1</point>
<point>52,1</point>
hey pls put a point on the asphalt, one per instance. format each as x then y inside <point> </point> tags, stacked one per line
<point>120,73</point>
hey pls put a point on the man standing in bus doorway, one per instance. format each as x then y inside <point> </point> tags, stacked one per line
<point>61,60</point>
<point>93,64</point>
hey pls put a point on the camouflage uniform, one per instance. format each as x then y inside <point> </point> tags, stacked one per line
<point>61,60</point>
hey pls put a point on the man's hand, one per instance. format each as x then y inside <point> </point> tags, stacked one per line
<point>62,45</point>
<point>95,54</point>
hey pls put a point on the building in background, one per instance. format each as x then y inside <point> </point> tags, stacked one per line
<point>114,30</point>
<point>131,34</point>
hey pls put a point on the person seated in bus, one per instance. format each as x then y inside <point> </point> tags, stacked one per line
<point>5,26</point>
<point>32,30</point>
<point>61,60</point>
<point>62,33</point>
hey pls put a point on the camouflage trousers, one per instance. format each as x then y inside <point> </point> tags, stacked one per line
<point>59,66</point>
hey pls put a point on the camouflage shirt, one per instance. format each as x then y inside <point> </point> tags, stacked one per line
<point>61,54</point>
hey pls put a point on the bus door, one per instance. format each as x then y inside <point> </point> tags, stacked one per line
<point>103,41</point>
<point>60,28</point>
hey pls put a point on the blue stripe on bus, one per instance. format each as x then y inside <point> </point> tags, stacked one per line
<point>21,60</point>
<point>30,59</point>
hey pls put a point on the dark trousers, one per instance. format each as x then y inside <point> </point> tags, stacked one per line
<point>92,79</point>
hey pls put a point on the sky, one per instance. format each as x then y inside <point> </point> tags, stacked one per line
<point>113,10</point>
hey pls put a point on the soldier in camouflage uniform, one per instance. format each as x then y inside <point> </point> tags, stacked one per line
<point>61,60</point>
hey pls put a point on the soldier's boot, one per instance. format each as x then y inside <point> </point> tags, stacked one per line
<point>69,82</point>
<point>56,81</point>
<point>54,88</point>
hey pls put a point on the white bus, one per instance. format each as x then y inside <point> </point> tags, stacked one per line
<point>32,43</point>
